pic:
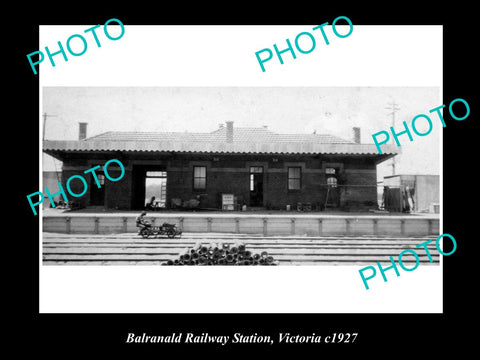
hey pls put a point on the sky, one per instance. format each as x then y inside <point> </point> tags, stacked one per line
<point>326,110</point>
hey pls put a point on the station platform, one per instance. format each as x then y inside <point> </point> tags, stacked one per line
<point>259,223</point>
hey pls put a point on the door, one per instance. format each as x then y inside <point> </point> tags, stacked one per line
<point>156,189</point>
<point>332,197</point>
<point>256,186</point>
<point>97,195</point>
<point>149,181</point>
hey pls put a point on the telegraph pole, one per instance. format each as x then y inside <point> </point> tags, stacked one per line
<point>45,123</point>
<point>392,106</point>
<point>45,115</point>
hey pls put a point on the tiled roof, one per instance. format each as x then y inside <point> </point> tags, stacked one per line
<point>220,135</point>
<point>245,140</point>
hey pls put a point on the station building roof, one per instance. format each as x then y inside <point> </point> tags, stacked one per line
<point>239,141</point>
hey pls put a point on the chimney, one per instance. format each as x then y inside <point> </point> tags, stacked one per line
<point>82,131</point>
<point>356,135</point>
<point>229,131</point>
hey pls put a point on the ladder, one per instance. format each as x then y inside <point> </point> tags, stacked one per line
<point>326,197</point>
<point>163,194</point>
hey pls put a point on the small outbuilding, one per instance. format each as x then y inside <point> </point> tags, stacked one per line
<point>411,193</point>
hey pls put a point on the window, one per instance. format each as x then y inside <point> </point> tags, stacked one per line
<point>332,182</point>
<point>101,179</point>
<point>156,174</point>
<point>99,176</point>
<point>330,171</point>
<point>294,178</point>
<point>256,169</point>
<point>199,177</point>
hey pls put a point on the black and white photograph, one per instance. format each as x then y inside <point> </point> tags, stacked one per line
<point>236,176</point>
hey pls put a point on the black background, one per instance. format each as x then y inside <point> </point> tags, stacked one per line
<point>93,335</point>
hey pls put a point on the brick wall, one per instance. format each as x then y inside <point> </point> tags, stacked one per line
<point>312,190</point>
<point>180,186</point>
<point>359,190</point>
<point>357,180</point>
<point>357,187</point>
<point>117,194</point>
<point>76,186</point>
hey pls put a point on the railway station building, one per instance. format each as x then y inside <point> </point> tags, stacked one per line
<point>230,168</point>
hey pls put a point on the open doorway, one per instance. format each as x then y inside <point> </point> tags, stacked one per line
<point>155,189</point>
<point>332,199</point>
<point>256,186</point>
<point>97,194</point>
